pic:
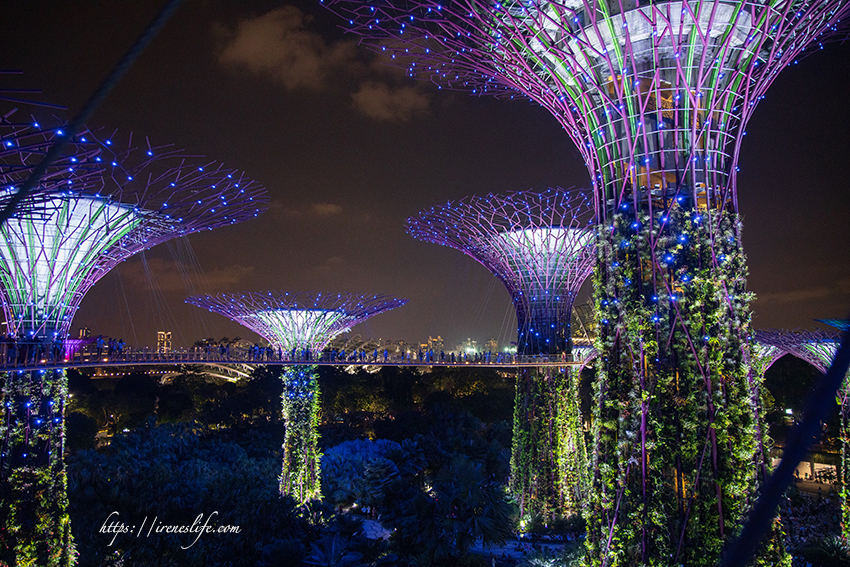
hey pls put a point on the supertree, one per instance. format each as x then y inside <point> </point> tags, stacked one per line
<point>818,348</point>
<point>50,257</point>
<point>656,97</point>
<point>765,348</point>
<point>541,247</point>
<point>301,325</point>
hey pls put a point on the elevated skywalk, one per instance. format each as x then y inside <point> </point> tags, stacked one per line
<point>21,361</point>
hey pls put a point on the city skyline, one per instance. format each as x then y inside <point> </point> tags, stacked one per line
<point>351,150</point>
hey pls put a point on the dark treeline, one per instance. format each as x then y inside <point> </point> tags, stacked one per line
<point>427,452</point>
<point>145,448</point>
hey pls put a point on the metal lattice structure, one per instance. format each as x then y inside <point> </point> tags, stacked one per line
<point>297,321</point>
<point>818,348</point>
<point>300,325</point>
<point>656,97</point>
<point>131,200</point>
<point>25,141</point>
<point>23,145</point>
<point>538,244</point>
<point>769,346</point>
<point>96,207</point>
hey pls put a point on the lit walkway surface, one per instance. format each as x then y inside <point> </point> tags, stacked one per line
<point>21,360</point>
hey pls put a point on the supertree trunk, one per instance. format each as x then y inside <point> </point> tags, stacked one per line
<point>300,323</point>
<point>571,447</point>
<point>674,428</point>
<point>533,467</point>
<point>300,475</point>
<point>758,358</point>
<point>844,477</point>
<point>549,455</point>
<point>540,246</point>
<point>35,528</point>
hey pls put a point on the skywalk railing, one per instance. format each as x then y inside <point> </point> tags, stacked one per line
<point>29,357</point>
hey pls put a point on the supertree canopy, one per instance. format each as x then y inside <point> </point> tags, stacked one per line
<point>299,324</point>
<point>819,348</point>
<point>653,95</point>
<point>656,97</point>
<point>297,320</point>
<point>538,244</point>
<point>25,141</point>
<point>132,200</point>
<point>112,204</point>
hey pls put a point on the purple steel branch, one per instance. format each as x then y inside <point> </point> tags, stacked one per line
<point>818,348</point>
<point>130,200</point>
<point>538,244</point>
<point>655,96</point>
<point>297,320</point>
<point>23,146</point>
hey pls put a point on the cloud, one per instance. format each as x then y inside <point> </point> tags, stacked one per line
<point>333,264</point>
<point>325,209</point>
<point>837,288</point>
<point>168,277</point>
<point>278,45</point>
<point>384,102</point>
<point>309,211</point>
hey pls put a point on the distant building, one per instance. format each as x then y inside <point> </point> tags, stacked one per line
<point>394,347</point>
<point>163,341</point>
<point>491,346</point>
<point>435,344</point>
<point>469,346</point>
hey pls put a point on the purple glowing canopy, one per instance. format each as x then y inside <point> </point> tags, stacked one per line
<point>818,348</point>
<point>538,244</point>
<point>297,320</point>
<point>24,142</point>
<point>133,198</point>
<point>654,95</point>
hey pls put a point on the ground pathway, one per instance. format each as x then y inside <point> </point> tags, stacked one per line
<point>513,550</point>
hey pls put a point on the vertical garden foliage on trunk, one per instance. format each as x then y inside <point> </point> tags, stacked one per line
<point>571,448</point>
<point>35,529</point>
<point>532,479</point>
<point>844,491</point>
<point>300,477</point>
<point>673,420</point>
<point>548,457</point>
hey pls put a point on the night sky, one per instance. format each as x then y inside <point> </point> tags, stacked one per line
<point>349,148</point>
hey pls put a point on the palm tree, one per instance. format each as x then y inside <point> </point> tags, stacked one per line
<point>460,507</point>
